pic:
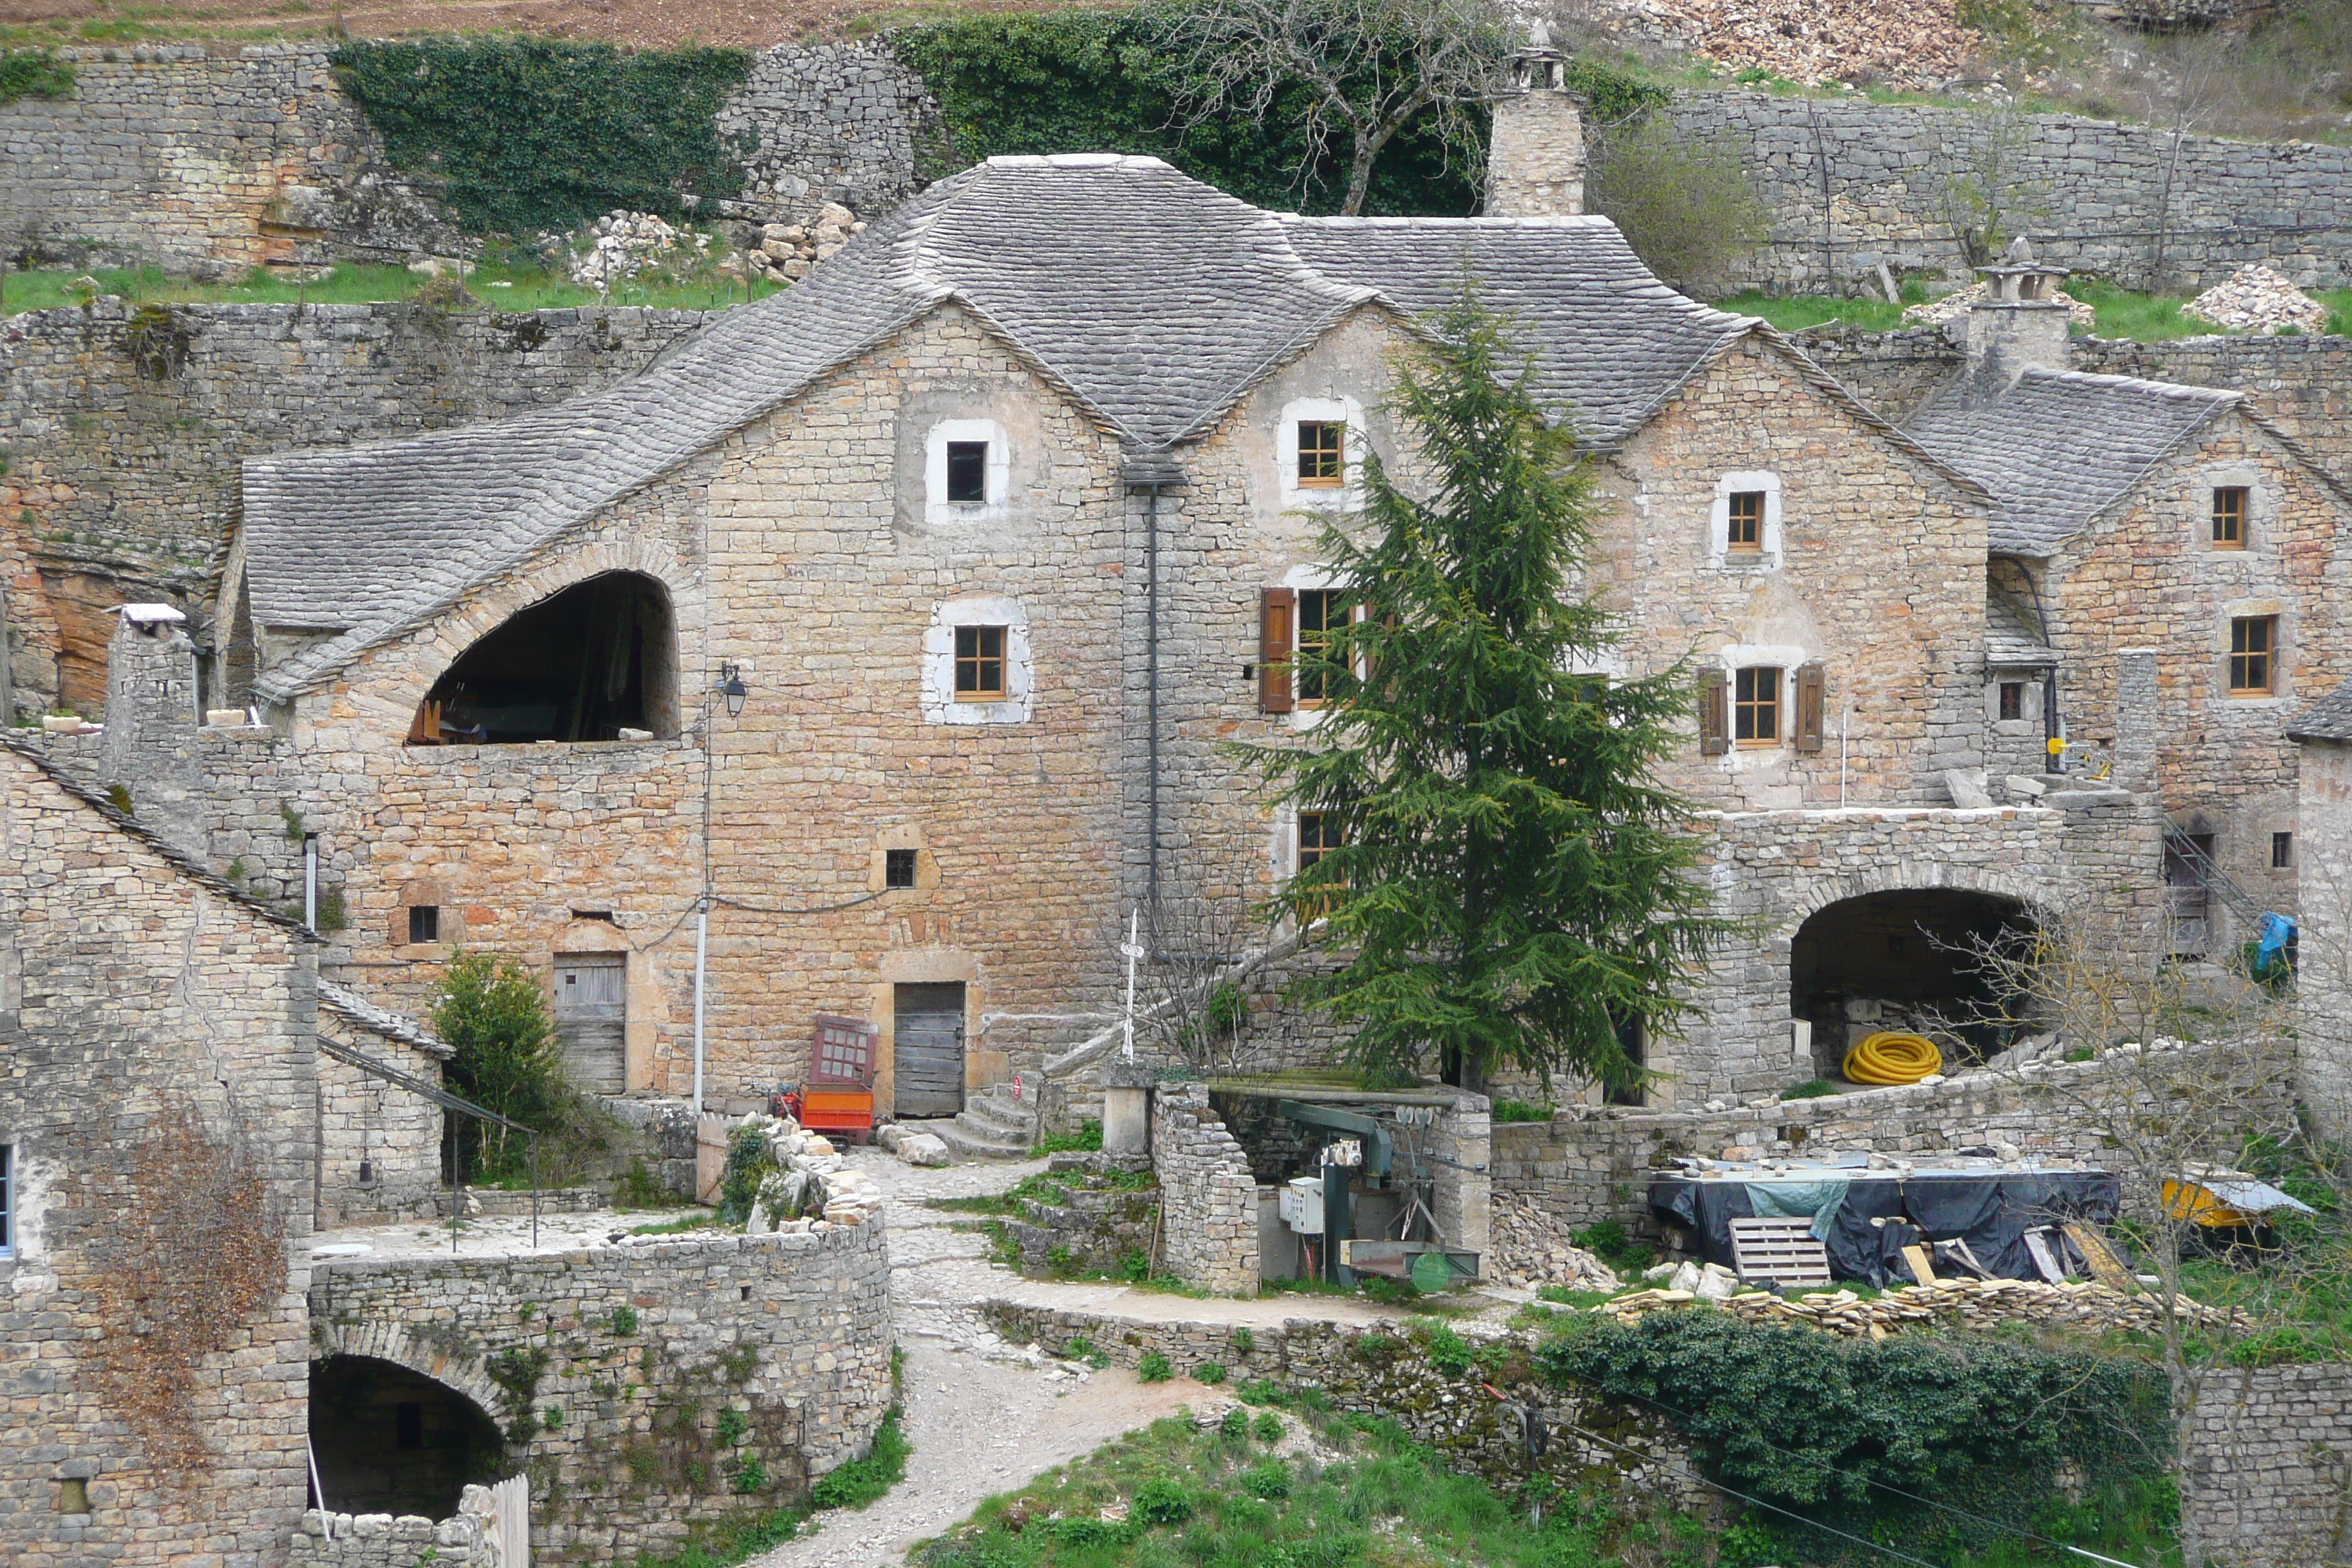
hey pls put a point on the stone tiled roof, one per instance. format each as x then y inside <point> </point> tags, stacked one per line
<point>1154,300</point>
<point>2059,447</point>
<point>391,1025</point>
<point>2009,642</point>
<point>2329,719</point>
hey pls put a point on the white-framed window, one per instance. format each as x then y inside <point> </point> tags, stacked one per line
<point>1320,448</point>
<point>2231,511</point>
<point>1744,524</point>
<point>977,667</point>
<point>967,472</point>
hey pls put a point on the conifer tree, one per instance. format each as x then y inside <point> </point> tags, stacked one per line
<point>1511,885</point>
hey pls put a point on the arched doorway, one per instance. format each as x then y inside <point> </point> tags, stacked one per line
<point>593,661</point>
<point>389,1440</point>
<point>1906,959</point>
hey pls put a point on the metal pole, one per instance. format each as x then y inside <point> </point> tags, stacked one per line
<point>311,882</point>
<point>701,950</point>
<point>1133,950</point>
<point>1152,710</point>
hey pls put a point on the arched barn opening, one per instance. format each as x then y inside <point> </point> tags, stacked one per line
<point>1909,959</point>
<point>389,1440</point>
<point>598,659</point>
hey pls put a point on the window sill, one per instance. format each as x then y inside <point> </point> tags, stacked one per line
<point>1747,563</point>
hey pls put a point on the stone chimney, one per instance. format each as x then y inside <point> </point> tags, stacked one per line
<point>2017,326</point>
<point>150,686</point>
<point>1535,158</point>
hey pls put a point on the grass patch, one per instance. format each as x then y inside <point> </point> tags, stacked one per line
<point>2123,313</point>
<point>1522,1110</point>
<point>702,1221</point>
<point>509,287</point>
<point>1795,312</point>
<point>1087,1139</point>
<point>862,1482</point>
<point>1816,1089</point>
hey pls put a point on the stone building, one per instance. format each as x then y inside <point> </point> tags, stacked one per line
<point>874,652</point>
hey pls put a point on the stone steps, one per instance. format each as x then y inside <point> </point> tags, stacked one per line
<point>991,1126</point>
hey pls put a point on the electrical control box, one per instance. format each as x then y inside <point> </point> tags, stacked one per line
<point>1300,1205</point>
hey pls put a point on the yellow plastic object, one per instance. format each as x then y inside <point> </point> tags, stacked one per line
<point>1888,1057</point>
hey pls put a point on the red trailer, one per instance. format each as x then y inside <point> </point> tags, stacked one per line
<point>839,1095</point>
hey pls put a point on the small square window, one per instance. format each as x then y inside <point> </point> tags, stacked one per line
<point>968,471</point>
<point>2230,517</point>
<point>424,922</point>
<point>1745,532</point>
<point>980,664</point>
<point>409,1424</point>
<point>899,868</point>
<point>1322,452</point>
<point>1756,706</point>
<point>2282,851</point>
<point>73,1495</point>
<point>1321,612</point>
<point>2013,700</point>
<point>2253,655</point>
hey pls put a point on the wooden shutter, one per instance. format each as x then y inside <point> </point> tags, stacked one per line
<point>1714,726</point>
<point>1277,635</point>
<point>1808,708</point>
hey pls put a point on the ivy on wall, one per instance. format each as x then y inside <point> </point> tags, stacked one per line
<point>1088,81</point>
<point>1835,1429</point>
<point>33,73</point>
<point>521,135</point>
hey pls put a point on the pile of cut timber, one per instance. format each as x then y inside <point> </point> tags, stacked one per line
<point>1968,1303</point>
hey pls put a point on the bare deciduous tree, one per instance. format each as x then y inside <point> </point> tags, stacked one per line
<point>1369,68</point>
<point>2177,1072</point>
<point>1986,202</point>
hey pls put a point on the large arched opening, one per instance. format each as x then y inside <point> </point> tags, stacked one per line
<point>596,662</point>
<point>1913,959</point>
<point>390,1441</point>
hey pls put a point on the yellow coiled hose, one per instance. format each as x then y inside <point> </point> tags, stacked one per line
<point>1889,1057</point>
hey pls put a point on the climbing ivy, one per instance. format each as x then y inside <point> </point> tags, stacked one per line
<point>1837,1429</point>
<point>521,135</point>
<point>33,73</point>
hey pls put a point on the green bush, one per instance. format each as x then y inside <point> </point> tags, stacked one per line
<point>1683,201</point>
<point>1153,1368</point>
<point>751,1476</point>
<point>732,1425</point>
<point>1236,1423</point>
<point>1268,1427</point>
<point>1269,1480</point>
<point>1814,1088</point>
<point>624,1320</point>
<point>1607,1241</point>
<point>33,73</point>
<point>1449,1352</point>
<point>492,1011</point>
<point>1242,1342</point>
<point>748,1162</point>
<point>861,1482</point>
<point>1160,1501</point>
<point>1522,1110</point>
<point>1208,1372</point>
<point>524,135</point>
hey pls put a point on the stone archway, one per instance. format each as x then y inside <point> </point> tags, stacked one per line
<point>462,1375</point>
<point>596,660</point>
<point>1926,959</point>
<point>386,1438</point>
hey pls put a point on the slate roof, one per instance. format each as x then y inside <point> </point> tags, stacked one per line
<point>2059,447</point>
<point>2009,642</point>
<point>2328,719</point>
<point>1154,300</point>
<point>391,1025</point>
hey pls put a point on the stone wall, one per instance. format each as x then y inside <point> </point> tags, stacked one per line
<point>1585,1165</point>
<point>1098,1223</point>
<point>120,482</point>
<point>2270,1460</point>
<point>1848,183</point>
<point>644,1345</point>
<point>1380,1370</point>
<point>133,992</point>
<point>1208,1201</point>
<point>2323,945</point>
<point>379,1144</point>
<point>843,123</point>
<point>466,1538</point>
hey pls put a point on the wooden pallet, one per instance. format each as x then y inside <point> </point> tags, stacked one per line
<point>1778,1252</point>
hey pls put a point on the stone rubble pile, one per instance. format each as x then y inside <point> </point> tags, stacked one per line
<point>1531,1248</point>
<point>1813,41</point>
<point>1955,307</point>
<point>2257,299</point>
<point>629,245</point>
<point>1965,1304</point>
<point>814,1188</point>
<point>787,250</point>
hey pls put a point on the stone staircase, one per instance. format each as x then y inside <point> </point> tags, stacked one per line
<point>992,1125</point>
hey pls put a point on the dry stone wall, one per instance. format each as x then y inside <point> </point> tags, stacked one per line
<point>1208,1200</point>
<point>639,1351</point>
<point>2270,1458</point>
<point>843,123</point>
<point>1849,183</point>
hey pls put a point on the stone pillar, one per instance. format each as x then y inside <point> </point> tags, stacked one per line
<point>2322,836</point>
<point>1126,1107</point>
<point>151,689</point>
<point>1535,158</point>
<point>2136,720</point>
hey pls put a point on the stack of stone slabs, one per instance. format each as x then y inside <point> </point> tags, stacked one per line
<point>1988,1203</point>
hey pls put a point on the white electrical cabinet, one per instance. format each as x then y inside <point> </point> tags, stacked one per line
<point>1300,1205</point>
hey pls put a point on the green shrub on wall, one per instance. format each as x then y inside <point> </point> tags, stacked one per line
<point>1836,1430</point>
<point>1087,81</point>
<point>521,135</point>
<point>33,73</point>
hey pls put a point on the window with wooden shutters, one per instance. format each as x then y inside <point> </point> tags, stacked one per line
<point>1714,731</point>
<point>1321,612</point>
<point>1808,708</point>
<point>1756,706</point>
<point>1278,633</point>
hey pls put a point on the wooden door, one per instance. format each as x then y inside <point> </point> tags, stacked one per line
<point>927,1052</point>
<point>591,1020</point>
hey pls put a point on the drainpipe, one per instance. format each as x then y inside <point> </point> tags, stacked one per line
<point>701,948</point>
<point>1151,690</point>
<point>310,882</point>
<point>2051,737</point>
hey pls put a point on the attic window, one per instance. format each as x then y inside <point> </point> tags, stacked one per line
<point>968,472</point>
<point>1322,453</point>
<point>2230,517</point>
<point>1745,535</point>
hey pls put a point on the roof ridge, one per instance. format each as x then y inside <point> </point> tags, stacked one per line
<point>2184,390</point>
